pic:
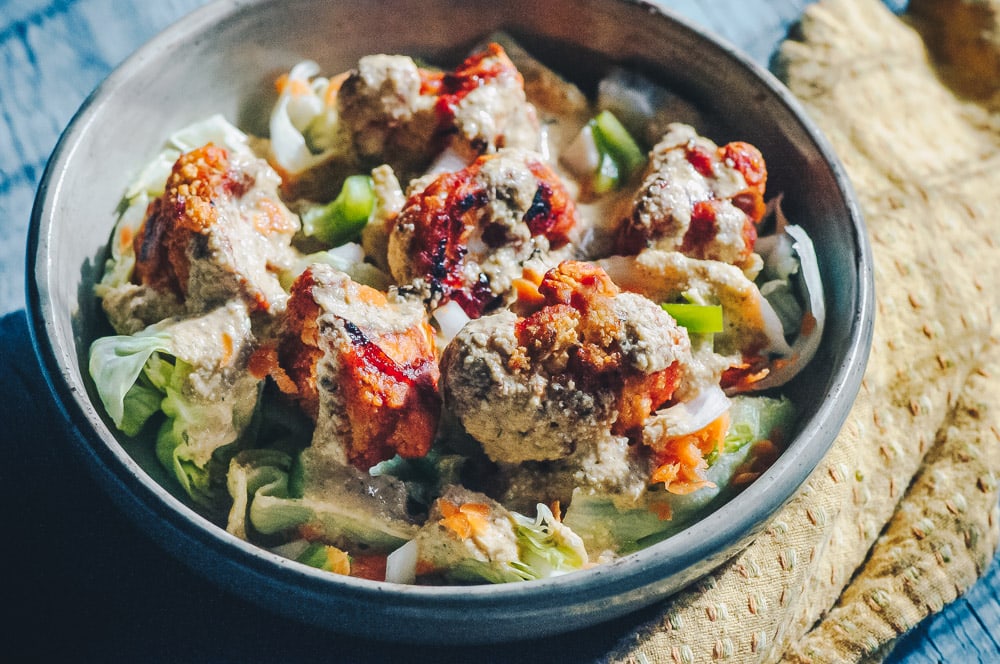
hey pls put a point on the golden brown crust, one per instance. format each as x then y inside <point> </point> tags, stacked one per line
<point>578,333</point>
<point>388,381</point>
<point>186,209</point>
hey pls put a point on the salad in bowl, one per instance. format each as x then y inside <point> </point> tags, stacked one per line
<point>456,324</point>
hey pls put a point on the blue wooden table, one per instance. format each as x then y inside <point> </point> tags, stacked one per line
<point>86,586</point>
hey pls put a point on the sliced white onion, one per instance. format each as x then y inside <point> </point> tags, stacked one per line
<point>581,156</point>
<point>349,252</point>
<point>692,415</point>
<point>288,144</point>
<point>806,344</point>
<point>291,550</point>
<point>774,330</point>
<point>450,318</point>
<point>449,160</point>
<point>401,564</point>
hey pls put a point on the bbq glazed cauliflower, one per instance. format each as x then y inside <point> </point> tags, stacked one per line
<point>590,362</point>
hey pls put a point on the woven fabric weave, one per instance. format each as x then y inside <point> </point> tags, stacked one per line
<point>901,517</point>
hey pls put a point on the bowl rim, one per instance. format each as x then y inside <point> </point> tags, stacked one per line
<point>138,494</point>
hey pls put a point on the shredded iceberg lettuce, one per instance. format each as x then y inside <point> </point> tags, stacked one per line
<point>324,496</point>
<point>115,365</point>
<point>604,523</point>
<point>207,408</point>
<point>498,546</point>
<point>303,123</point>
<point>547,547</point>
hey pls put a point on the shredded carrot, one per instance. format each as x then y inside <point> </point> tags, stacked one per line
<point>293,86</point>
<point>227,347</point>
<point>458,524</point>
<point>663,511</point>
<point>425,567</point>
<point>475,509</point>
<point>464,520</point>
<point>330,99</point>
<point>665,473</point>
<point>281,82</point>
<point>477,515</point>
<point>742,479</point>
<point>527,294</point>
<point>310,532</point>
<point>337,561</point>
<point>764,453</point>
<point>272,220</point>
<point>125,238</point>
<point>447,507</point>
<point>263,362</point>
<point>532,275</point>
<point>808,324</point>
<point>556,508</point>
<point>682,458</point>
<point>745,374</point>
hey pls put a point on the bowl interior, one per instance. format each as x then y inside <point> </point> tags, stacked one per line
<point>223,59</point>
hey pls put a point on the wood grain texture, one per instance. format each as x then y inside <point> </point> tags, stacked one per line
<point>53,53</point>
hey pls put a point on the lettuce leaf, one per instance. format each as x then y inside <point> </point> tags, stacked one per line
<point>115,365</point>
<point>302,125</point>
<point>547,547</point>
<point>340,505</point>
<point>186,372</point>
<point>604,522</point>
<point>499,546</point>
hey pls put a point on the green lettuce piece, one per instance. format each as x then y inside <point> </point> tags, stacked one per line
<point>342,219</point>
<point>206,404</point>
<point>513,547</point>
<point>547,547</point>
<point>339,503</point>
<point>116,363</point>
<point>252,473</point>
<point>480,571</point>
<point>197,439</point>
<point>605,523</point>
<point>340,524</point>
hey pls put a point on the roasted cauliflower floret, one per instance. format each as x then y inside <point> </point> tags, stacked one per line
<point>466,235</point>
<point>219,230</point>
<point>362,367</point>
<point>388,113</point>
<point>484,104</point>
<point>591,361</point>
<point>748,337</point>
<point>697,198</point>
<point>392,111</point>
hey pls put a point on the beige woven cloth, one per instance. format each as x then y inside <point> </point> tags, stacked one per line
<point>902,515</point>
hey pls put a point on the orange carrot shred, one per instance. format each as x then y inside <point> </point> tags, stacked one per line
<point>447,507</point>
<point>459,524</point>
<point>227,347</point>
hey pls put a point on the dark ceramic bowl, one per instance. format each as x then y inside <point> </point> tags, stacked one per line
<point>223,59</point>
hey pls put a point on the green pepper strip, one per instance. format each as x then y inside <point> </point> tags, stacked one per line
<point>697,318</point>
<point>343,219</point>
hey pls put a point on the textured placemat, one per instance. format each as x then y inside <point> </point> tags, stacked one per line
<point>902,515</point>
